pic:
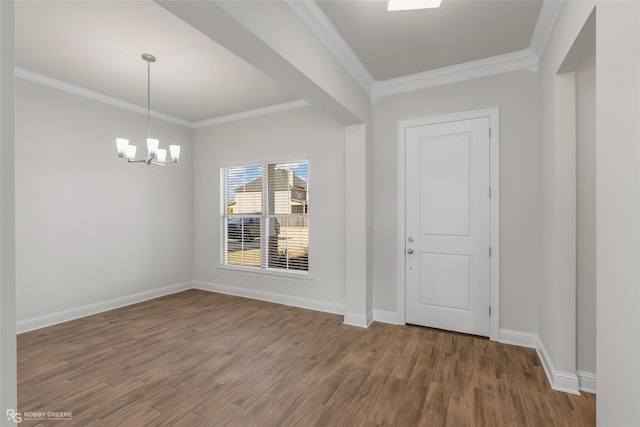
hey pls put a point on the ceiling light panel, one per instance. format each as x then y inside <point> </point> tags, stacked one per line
<point>398,5</point>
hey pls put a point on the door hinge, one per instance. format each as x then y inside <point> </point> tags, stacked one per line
<point>489,310</point>
<point>489,133</point>
<point>489,192</point>
<point>489,251</point>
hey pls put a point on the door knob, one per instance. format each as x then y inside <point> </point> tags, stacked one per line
<point>409,251</point>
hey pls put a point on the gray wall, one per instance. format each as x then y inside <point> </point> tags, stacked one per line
<point>557,179</point>
<point>618,212</point>
<point>8,374</point>
<point>91,227</point>
<point>617,205</point>
<point>586,214</point>
<point>292,135</point>
<point>515,94</point>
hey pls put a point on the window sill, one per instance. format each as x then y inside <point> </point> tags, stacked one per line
<point>304,277</point>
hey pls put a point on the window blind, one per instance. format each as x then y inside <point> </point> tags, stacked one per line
<point>265,216</point>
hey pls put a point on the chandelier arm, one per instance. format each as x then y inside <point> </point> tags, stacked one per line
<point>158,162</point>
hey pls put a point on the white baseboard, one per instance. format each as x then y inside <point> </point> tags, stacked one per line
<point>384,316</point>
<point>357,319</point>
<point>301,302</point>
<point>521,339</point>
<point>560,381</point>
<point>89,309</point>
<point>587,381</point>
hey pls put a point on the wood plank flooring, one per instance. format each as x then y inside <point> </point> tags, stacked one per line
<point>202,359</point>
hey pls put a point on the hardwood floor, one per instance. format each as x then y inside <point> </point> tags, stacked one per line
<point>199,358</point>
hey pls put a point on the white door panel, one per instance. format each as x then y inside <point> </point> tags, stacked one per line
<point>444,185</point>
<point>447,225</point>
<point>445,281</point>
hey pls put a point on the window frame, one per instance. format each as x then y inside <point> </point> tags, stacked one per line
<point>265,218</point>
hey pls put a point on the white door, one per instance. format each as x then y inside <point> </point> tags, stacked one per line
<point>448,226</point>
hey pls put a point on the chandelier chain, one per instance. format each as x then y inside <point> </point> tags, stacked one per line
<point>148,99</point>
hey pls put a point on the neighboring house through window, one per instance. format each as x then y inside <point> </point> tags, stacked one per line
<point>265,216</point>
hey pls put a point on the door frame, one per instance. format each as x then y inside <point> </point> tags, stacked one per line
<point>494,167</point>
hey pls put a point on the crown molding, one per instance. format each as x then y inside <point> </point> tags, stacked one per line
<point>526,59</point>
<point>522,60</point>
<point>115,102</point>
<point>95,96</point>
<point>251,113</point>
<point>311,14</point>
<point>546,21</point>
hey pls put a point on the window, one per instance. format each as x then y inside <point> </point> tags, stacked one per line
<point>265,216</point>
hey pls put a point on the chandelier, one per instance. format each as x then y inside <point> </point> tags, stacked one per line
<point>155,155</point>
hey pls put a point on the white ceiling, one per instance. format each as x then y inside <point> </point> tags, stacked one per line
<point>96,45</point>
<point>396,44</point>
